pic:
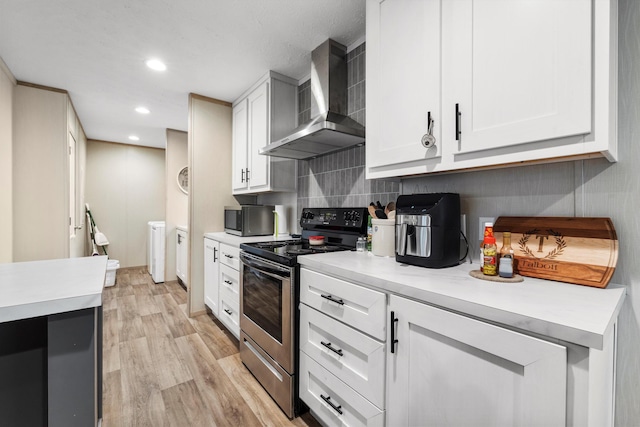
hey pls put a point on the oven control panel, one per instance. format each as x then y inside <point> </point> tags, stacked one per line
<point>334,217</point>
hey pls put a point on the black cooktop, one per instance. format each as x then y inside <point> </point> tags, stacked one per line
<point>341,227</point>
<point>286,252</point>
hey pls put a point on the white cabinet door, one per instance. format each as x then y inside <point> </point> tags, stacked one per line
<point>450,370</point>
<point>240,141</point>
<point>211,274</point>
<point>403,80</point>
<point>182,245</point>
<point>520,71</point>
<point>263,114</point>
<point>258,105</point>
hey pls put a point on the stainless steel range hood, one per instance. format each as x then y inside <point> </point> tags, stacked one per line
<point>330,129</point>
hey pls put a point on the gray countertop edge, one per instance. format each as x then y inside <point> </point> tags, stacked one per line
<point>588,336</point>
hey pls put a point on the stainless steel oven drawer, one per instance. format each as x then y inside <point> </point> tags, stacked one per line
<point>275,380</point>
<point>359,307</point>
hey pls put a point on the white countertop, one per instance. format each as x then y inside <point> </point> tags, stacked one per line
<point>233,240</point>
<point>40,288</point>
<point>573,313</point>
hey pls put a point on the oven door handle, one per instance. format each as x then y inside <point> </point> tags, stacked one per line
<point>264,267</point>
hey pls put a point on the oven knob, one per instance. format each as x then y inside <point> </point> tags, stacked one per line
<point>347,216</point>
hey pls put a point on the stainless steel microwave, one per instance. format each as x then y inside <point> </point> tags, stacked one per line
<point>249,220</point>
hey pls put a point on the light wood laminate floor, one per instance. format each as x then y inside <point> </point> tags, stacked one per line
<point>162,368</point>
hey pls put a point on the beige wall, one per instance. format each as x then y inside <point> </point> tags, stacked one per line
<point>7,85</point>
<point>125,189</point>
<point>40,174</point>
<point>177,203</point>
<point>210,181</point>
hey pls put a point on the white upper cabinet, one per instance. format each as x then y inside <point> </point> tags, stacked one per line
<point>403,66</point>
<point>520,71</point>
<point>264,114</point>
<point>506,81</point>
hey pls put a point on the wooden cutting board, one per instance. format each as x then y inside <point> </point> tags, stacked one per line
<point>583,251</point>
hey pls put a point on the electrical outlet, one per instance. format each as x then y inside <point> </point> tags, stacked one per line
<point>482,222</point>
<point>463,225</point>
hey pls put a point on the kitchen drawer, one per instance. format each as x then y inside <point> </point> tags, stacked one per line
<point>359,307</point>
<point>318,387</point>
<point>230,255</point>
<point>230,279</point>
<point>354,357</point>
<point>229,313</point>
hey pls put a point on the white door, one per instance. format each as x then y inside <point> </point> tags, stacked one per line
<point>211,274</point>
<point>450,370</point>
<point>519,71</point>
<point>240,141</point>
<point>181,255</point>
<point>258,104</point>
<point>403,80</point>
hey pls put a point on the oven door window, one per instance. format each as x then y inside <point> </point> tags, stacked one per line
<point>262,301</point>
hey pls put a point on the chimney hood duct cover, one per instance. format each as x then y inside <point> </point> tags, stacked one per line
<point>330,129</point>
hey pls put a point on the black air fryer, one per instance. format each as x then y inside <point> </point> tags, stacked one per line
<point>428,229</point>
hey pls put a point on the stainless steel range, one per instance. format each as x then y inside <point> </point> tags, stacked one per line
<point>269,297</point>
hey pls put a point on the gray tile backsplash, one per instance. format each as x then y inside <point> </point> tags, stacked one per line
<point>338,179</point>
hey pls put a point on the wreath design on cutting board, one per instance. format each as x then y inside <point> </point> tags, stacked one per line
<point>561,244</point>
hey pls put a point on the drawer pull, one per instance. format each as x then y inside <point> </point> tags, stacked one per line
<point>330,347</point>
<point>228,256</point>
<point>327,399</point>
<point>332,299</point>
<point>226,310</point>
<point>228,282</point>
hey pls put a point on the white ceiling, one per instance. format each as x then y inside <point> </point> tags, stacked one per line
<point>96,50</point>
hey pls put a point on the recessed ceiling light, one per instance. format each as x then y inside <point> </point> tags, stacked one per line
<point>156,64</point>
<point>142,110</point>
<point>134,138</point>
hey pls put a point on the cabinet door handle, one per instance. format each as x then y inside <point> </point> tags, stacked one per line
<point>327,399</point>
<point>458,117</point>
<point>226,310</point>
<point>179,239</point>
<point>332,299</point>
<point>394,341</point>
<point>330,347</point>
<point>247,174</point>
<point>242,175</point>
<point>214,254</point>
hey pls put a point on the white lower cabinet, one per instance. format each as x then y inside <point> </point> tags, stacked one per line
<point>222,283</point>
<point>356,358</point>
<point>332,401</point>
<point>436,367</point>
<point>182,255</point>
<point>450,370</point>
<point>211,274</point>
<point>342,350</point>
